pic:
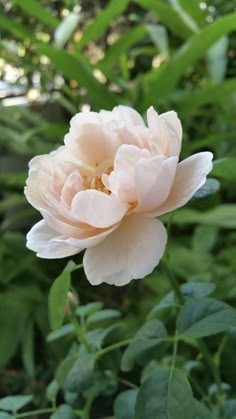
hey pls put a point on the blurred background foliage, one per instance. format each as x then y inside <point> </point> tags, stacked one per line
<point>59,57</point>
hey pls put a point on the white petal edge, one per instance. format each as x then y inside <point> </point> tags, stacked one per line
<point>190,175</point>
<point>44,241</point>
<point>132,251</point>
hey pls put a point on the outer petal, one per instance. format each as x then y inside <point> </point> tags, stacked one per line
<point>122,179</point>
<point>130,252</point>
<point>97,208</point>
<point>190,176</point>
<point>44,241</point>
<point>154,179</point>
<point>127,115</point>
<point>166,132</point>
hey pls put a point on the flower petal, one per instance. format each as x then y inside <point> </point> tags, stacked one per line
<point>127,115</point>
<point>166,132</point>
<point>154,179</point>
<point>122,179</point>
<point>132,251</point>
<point>190,176</point>
<point>44,241</point>
<point>97,208</point>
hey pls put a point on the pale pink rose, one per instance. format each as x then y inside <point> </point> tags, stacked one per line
<point>103,189</point>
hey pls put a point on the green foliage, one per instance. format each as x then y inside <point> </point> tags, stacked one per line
<point>173,396</point>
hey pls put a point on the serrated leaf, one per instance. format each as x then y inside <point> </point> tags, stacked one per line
<point>124,406</point>
<point>205,317</point>
<point>146,340</point>
<point>58,299</point>
<point>80,377</point>
<point>14,403</point>
<point>171,396</point>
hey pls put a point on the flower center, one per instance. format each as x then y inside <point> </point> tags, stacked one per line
<point>96,182</point>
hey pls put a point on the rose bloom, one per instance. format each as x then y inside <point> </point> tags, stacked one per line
<point>104,188</point>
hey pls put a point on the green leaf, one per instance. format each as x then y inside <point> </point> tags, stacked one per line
<point>167,15</point>
<point>14,312</point>
<point>217,60</point>
<point>193,9</point>
<point>187,55</point>
<point>65,29</point>
<point>124,406</point>
<point>64,368</point>
<point>122,45</point>
<point>28,348</point>
<point>88,309</point>
<point>14,403</point>
<point>197,289</point>
<point>204,238</point>
<point>66,329</point>
<point>171,396</point>
<point>103,315</point>
<point>64,412</point>
<point>210,187</point>
<point>205,317</point>
<point>58,299</point>
<point>202,411</point>
<point>186,18</point>
<point>81,375</point>
<point>205,95</point>
<point>4,415</point>
<point>189,290</point>
<point>225,168</point>
<point>77,68</point>
<point>103,19</point>
<point>52,390</point>
<point>230,408</point>
<point>144,344</point>
<point>221,216</point>
<point>15,29</point>
<point>34,8</point>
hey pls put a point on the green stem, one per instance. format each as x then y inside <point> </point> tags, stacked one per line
<point>112,347</point>
<point>33,413</point>
<point>214,370</point>
<point>80,333</point>
<point>88,404</point>
<point>173,282</point>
